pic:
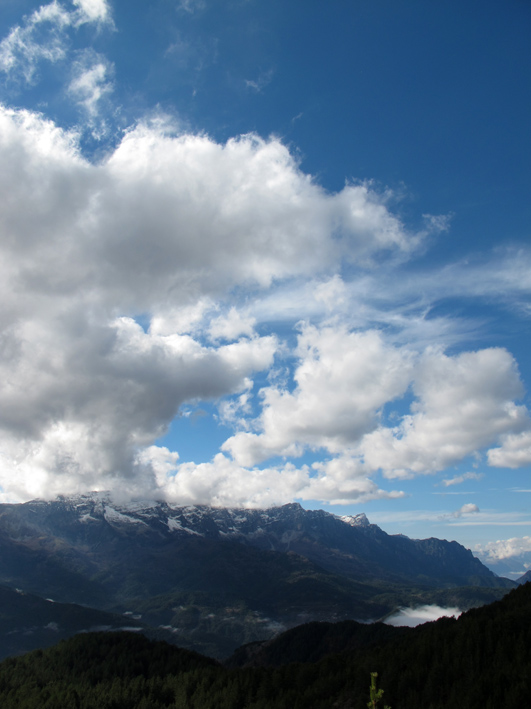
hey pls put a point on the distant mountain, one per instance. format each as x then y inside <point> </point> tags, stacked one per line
<point>90,525</point>
<point>217,578</point>
<point>511,567</point>
<point>526,578</point>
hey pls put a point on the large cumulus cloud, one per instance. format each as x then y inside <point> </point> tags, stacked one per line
<point>159,232</point>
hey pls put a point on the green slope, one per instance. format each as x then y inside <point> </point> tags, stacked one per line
<point>480,661</point>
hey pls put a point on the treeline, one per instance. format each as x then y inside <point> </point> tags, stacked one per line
<point>480,661</point>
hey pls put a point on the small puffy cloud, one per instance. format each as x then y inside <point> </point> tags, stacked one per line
<point>505,548</point>
<point>412,617</point>
<point>458,479</point>
<point>468,509</point>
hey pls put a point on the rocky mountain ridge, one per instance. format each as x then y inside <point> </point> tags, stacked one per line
<point>348,545</point>
<point>221,577</point>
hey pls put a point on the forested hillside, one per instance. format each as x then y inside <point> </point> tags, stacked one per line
<point>481,660</point>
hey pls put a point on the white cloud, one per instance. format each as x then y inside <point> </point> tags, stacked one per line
<point>222,482</point>
<point>200,216</point>
<point>99,395</point>
<point>468,509</point>
<point>514,452</point>
<point>164,227</point>
<point>90,83</point>
<point>332,292</point>
<point>93,10</point>
<point>391,299</point>
<point>234,411</point>
<point>463,404</point>
<point>41,37</point>
<point>232,325</point>
<point>186,319</point>
<point>245,212</point>
<point>458,479</point>
<point>343,379</point>
<point>505,548</point>
<point>343,480</point>
<point>412,617</point>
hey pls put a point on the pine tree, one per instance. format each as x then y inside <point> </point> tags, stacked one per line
<point>375,694</point>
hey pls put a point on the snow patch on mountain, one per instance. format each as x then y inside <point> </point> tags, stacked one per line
<point>359,520</point>
<point>175,525</point>
<point>112,516</point>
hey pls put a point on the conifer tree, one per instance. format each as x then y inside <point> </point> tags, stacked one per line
<point>375,693</point>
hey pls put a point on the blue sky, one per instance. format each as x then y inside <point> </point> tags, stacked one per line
<point>256,252</point>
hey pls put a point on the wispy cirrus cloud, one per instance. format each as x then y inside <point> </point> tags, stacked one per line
<point>43,37</point>
<point>261,81</point>
<point>92,11</point>
<point>490,518</point>
<point>191,6</point>
<point>458,479</point>
<point>90,87</point>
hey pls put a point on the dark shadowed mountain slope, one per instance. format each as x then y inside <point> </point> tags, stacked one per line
<point>28,622</point>
<point>482,660</point>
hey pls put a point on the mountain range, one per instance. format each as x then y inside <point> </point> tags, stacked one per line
<point>212,579</point>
